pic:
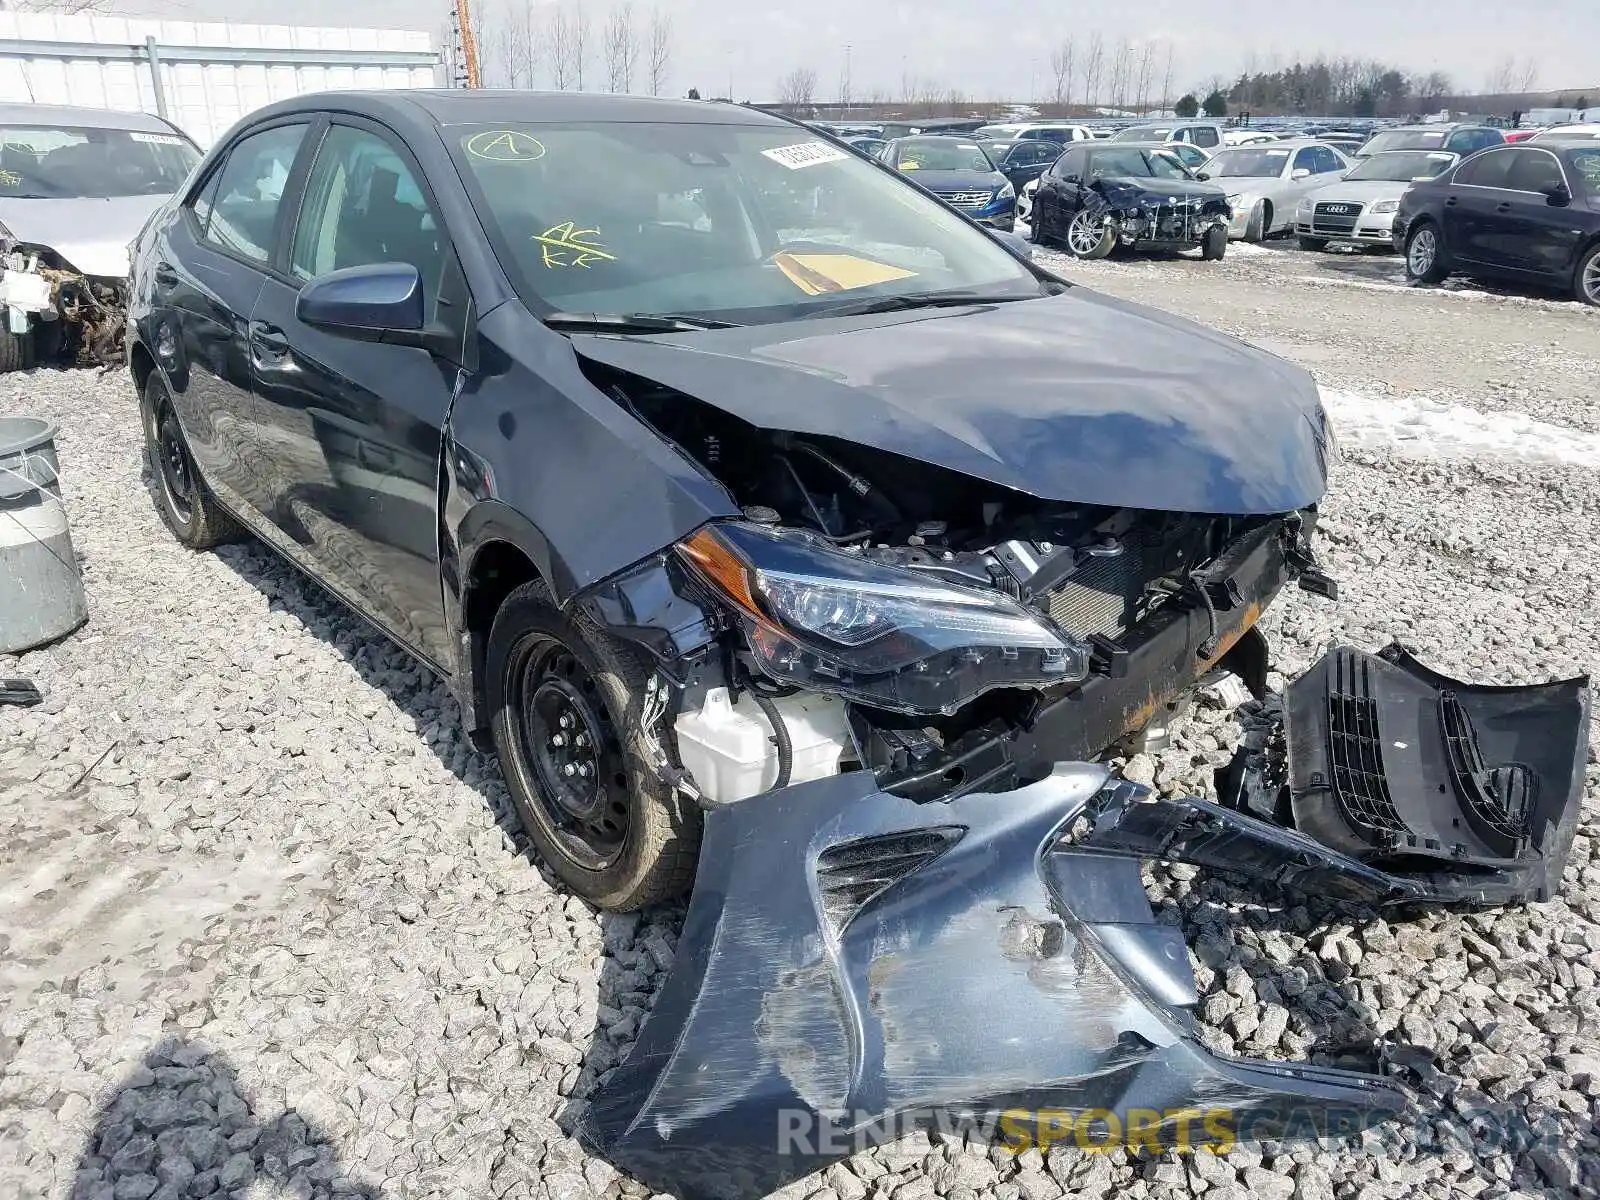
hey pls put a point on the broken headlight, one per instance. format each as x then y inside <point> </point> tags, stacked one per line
<point>821,619</point>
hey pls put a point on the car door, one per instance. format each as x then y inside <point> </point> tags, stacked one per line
<point>209,272</point>
<point>1060,192</point>
<point>366,418</point>
<point>1473,208</point>
<point>1028,160</point>
<point>1532,234</point>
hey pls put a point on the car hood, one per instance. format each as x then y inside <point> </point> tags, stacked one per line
<point>1114,187</point>
<point>1078,397</point>
<point>958,181</point>
<point>1361,191</point>
<point>92,234</point>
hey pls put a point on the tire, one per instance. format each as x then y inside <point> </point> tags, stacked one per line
<point>1078,233</point>
<point>1586,278</point>
<point>181,496</point>
<point>624,840</point>
<point>1215,244</point>
<point>16,352</point>
<point>1256,230</point>
<point>1314,244</point>
<point>1036,225</point>
<point>1425,265</point>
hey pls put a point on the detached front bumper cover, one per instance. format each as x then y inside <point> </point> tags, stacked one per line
<point>855,965</point>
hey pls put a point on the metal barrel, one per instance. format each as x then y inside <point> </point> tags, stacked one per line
<point>41,587</point>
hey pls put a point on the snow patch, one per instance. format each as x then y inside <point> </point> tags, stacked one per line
<point>1418,427</point>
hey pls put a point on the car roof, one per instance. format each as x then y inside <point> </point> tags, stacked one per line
<point>83,118</point>
<point>468,106</point>
<point>1296,143</point>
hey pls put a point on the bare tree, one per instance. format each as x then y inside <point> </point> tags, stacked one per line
<point>1061,63</point>
<point>798,88</point>
<point>518,48</point>
<point>660,49</point>
<point>1166,82</point>
<point>1093,60</point>
<point>488,53</point>
<point>620,48</point>
<point>562,63</point>
<point>844,84</point>
<point>1147,54</point>
<point>1502,80</point>
<point>1528,75</point>
<point>1119,73</point>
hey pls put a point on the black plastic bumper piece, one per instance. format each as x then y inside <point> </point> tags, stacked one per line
<point>1379,779</point>
<point>856,964</point>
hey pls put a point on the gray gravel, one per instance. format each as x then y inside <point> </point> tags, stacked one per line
<point>264,918</point>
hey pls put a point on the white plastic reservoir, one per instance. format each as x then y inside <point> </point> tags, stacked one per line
<point>729,750</point>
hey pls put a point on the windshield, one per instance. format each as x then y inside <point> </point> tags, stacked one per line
<point>66,162</point>
<point>1133,164</point>
<point>1247,162</point>
<point>1587,164</point>
<point>940,154</point>
<point>725,222</point>
<point>1402,166</point>
<point>1142,133</point>
<point>1404,139</point>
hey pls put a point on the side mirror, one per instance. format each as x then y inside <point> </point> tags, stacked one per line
<point>1072,179</point>
<point>1300,173</point>
<point>1557,196</point>
<point>1202,177</point>
<point>365,302</point>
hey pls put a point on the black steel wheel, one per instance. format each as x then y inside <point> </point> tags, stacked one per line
<point>181,495</point>
<point>569,740</point>
<point>564,703</point>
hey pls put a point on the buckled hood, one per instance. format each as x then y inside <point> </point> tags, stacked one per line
<point>1078,397</point>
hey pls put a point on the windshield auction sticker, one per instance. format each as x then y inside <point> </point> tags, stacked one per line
<point>805,154</point>
<point>505,145</point>
<point>157,139</point>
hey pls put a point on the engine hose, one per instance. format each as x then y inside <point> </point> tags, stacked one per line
<point>887,513</point>
<point>780,735</point>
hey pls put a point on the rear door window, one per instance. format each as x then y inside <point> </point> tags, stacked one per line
<point>1534,171</point>
<point>244,216</point>
<point>1486,170</point>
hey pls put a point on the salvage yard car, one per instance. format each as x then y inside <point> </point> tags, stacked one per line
<point>1528,213</point>
<point>816,554</point>
<point>1096,198</point>
<point>1265,183</point>
<point>1361,207</point>
<point>76,186</point>
<point>960,172</point>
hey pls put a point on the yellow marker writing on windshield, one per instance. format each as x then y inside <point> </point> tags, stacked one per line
<point>505,145</point>
<point>10,179</point>
<point>566,245</point>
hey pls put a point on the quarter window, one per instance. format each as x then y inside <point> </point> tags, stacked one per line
<point>363,206</point>
<point>1203,135</point>
<point>1533,171</point>
<point>243,207</point>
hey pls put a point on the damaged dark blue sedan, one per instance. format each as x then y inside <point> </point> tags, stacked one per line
<point>772,521</point>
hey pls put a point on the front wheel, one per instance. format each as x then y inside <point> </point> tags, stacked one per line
<point>565,701</point>
<point>1586,280</point>
<point>1425,259</point>
<point>1215,244</point>
<point>1087,238</point>
<point>1256,229</point>
<point>1313,243</point>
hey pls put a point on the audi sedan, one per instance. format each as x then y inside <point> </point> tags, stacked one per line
<point>1361,207</point>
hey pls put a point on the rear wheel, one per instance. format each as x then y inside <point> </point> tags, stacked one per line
<point>1425,259</point>
<point>1089,239</point>
<point>1313,243</point>
<point>565,700</point>
<point>1215,244</point>
<point>181,496</point>
<point>1586,279</point>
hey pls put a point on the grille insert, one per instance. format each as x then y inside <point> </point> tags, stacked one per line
<point>853,875</point>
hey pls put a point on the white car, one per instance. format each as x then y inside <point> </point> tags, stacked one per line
<point>76,187</point>
<point>1246,137</point>
<point>1567,131</point>
<point>1265,184</point>
<point>1050,131</point>
<point>1361,206</point>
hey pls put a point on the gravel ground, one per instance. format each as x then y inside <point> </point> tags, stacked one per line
<point>267,928</point>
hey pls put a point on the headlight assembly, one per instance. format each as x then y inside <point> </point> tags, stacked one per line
<point>1386,206</point>
<point>1006,192</point>
<point>824,620</point>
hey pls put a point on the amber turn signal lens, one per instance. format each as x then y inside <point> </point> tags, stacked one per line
<point>721,567</point>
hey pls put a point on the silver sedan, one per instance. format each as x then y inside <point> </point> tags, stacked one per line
<point>1265,184</point>
<point>1361,206</point>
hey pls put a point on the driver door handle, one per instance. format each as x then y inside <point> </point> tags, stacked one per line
<point>268,345</point>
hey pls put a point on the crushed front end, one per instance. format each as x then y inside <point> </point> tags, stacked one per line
<point>1154,221</point>
<point>74,316</point>
<point>856,965</point>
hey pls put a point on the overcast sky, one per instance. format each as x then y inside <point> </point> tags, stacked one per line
<point>1001,48</point>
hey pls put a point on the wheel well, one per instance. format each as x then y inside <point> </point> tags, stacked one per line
<point>1266,216</point>
<point>142,363</point>
<point>498,569</point>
